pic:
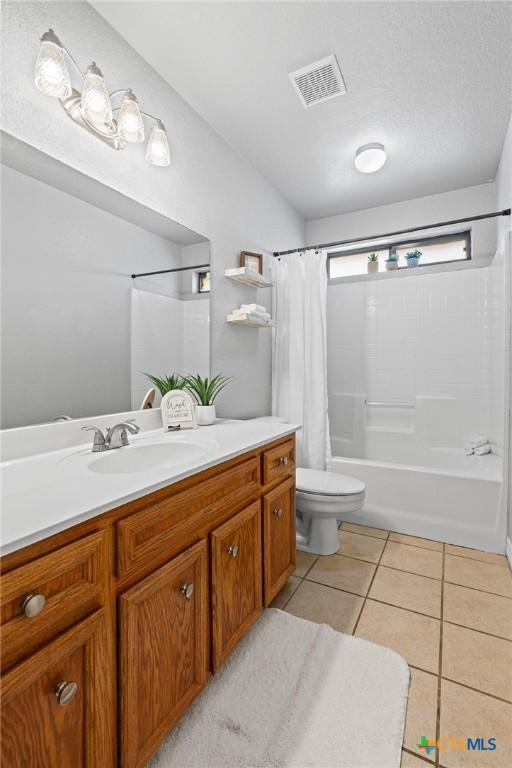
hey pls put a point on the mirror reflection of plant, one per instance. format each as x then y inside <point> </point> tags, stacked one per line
<point>167,382</point>
<point>206,390</point>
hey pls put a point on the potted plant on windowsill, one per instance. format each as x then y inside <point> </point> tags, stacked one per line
<point>391,262</point>
<point>373,263</point>
<point>205,391</point>
<point>413,258</point>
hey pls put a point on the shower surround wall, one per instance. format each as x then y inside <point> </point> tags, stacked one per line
<point>415,365</point>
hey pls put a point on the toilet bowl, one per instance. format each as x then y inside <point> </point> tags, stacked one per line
<point>323,498</point>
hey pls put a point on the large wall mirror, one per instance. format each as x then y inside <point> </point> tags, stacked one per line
<point>78,332</point>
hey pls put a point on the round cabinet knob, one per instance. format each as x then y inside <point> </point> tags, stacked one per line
<point>187,590</point>
<point>283,461</point>
<point>65,692</point>
<point>278,512</point>
<point>233,551</point>
<point>33,605</point>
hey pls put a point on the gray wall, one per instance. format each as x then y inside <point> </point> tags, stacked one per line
<point>66,291</point>
<point>208,187</point>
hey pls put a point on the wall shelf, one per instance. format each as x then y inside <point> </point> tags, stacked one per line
<point>250,321</point>
<point>247,277</point>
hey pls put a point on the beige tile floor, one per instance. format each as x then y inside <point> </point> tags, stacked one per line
<point>446,609</point>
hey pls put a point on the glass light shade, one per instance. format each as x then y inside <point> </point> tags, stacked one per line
<point>370,158</point>
<point>51,74</point>
<point>95,102</point>
<point>157,149</point>
<point>130,123</point>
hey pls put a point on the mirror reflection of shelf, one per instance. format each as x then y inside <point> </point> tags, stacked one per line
<point>248,277</point>
<point>249,320</point>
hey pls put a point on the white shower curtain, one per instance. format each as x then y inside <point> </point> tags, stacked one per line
<point>299,392</point>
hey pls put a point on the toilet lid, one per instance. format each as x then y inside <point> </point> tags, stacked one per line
<point>327,483</point>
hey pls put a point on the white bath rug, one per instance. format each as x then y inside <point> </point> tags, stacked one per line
<point>295,694</point>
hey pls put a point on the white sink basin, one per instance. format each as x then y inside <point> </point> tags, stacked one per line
<point>143,458</point>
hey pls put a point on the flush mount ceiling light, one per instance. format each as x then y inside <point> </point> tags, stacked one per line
<point>92,107</point>
<point>370,158</point>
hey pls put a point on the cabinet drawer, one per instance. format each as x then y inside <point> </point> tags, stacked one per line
<point>151,536</point>
<point>164,651</point>
<point>279,462</point>
<point>46,596</point>
<point>278,537</point>
<point>236,580</point>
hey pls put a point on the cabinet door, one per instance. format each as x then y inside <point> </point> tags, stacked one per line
<point>236,579</point>
<point>164,651</point>
<point>278,538</point>
<point>58,705</point>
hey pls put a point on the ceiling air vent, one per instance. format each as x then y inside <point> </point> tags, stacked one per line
<point>319,81</point>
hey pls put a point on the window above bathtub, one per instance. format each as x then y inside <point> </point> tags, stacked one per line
<point>441,249</point>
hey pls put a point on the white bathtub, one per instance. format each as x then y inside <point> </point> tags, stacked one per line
<point>458,501</point>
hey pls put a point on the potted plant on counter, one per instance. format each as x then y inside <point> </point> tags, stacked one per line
<point>373,263</point>
<point>205,391</point>
<point>167,382</point>
<point>413,258</point>
<point>391,262</point>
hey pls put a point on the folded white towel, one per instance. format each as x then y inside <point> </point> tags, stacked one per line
<point>481,450</point>
<point>258,315</point>
<point>254,308</point>
<point>478,441</point>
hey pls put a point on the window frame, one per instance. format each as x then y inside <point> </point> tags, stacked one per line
<point>203,273</point>
<point>416,243</point>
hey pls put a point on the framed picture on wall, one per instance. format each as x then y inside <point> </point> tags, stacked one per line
<point>252,261</point>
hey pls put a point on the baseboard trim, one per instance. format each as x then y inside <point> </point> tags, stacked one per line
<point>509,551</point>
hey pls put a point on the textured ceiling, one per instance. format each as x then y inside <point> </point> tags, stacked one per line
<point>430,80</point>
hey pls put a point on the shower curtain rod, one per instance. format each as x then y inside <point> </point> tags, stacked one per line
<point>166,271</point>
<point>505,212</point>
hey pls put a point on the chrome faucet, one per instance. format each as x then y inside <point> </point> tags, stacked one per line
<point>114,437</point>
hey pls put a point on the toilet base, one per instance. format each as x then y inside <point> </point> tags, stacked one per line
<point>318,536</point>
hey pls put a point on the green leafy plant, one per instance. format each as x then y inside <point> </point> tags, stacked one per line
<point>167,382</point>
<point>206,390</point>
<point>392,257</point>
<point>373,257</point>
<point>413,254</point>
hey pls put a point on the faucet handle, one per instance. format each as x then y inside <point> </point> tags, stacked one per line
<point>98,443</point>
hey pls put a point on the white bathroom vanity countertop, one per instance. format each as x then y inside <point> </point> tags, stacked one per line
<point>45,493</point>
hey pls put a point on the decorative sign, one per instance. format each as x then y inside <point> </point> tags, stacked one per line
<point>178,410</point>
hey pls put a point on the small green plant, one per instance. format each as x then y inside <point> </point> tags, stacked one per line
<point>413,254</point>
<point>206,390</point>
<point>373,257</point>
<point>167,382</point>
<point>392,257</point>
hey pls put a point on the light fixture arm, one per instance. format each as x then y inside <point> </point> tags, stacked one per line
<point>108,130</point>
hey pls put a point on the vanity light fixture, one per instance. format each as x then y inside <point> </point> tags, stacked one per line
<point>92,107</point>
<point>370,158</point>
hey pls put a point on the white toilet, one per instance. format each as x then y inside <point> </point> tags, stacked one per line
<point>323,498</point>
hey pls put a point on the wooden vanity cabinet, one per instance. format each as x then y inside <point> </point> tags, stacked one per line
<point>278,538</point>
<point>236,580</point>
<point>55,704</point>
<point>136,608</point>
<point>164,651</point>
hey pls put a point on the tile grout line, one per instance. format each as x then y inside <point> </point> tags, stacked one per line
<point>432,578</point>
<point>415,754</point>
<point>370,584</point>
<point>395,605</point>
<point>419,546</point>
<point>462,685</point>
<point>440,667</point>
